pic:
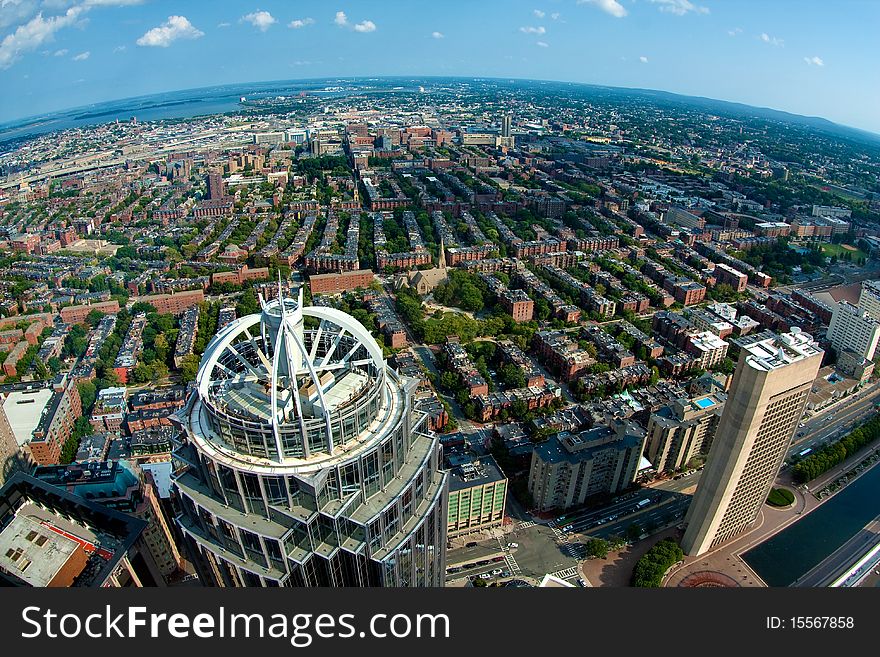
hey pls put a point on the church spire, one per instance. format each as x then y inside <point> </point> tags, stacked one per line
<point>442,255</point>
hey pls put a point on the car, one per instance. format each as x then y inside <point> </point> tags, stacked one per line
<point>484,562</point>
<point>453,570</point>
<point>471,544</point>
<point>470,565</point>
<point>581,581</point>
<point>497,572</point>
<point>505,573</point>
<point>485,576</point>
<point>513,545</point>
<point>568,528</point>
<point>497,559</point>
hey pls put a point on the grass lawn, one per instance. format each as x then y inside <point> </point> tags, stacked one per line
<point>837,249</point>
<point>780,497</point>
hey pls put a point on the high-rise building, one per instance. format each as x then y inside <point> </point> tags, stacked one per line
<point>505,125</point>
<point>50,537</point>
<point>477,495</point>
<point>766,401</point>
<point>122,486</point>
<point>570,468</point>
<point>216,186</point>
<point>12,458</point>
<point>855,329</point>
<point>682,430</point>
<point>869,299</point>
<point>305,460</point>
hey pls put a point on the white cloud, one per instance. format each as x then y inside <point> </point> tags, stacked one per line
<point>643,59</point>
<point>734,31</point>
<point>612,7</point>
<point>555,15</point>
<point>364,26</point>
<point>119,49</point>
<point>33,34</point>
<point>533,30</point>
<point>297,23</point>
<point>814,61</point>
<point>60,53</point>
<point>15,11</point>
<point>679,7</point>
<point>224,24</point>
<point>176,27</point>
<point>262,20</point>
<point>773,41</point>
<point>542,44</point>
<point>539,13</point>
<point>82,56</point>
<point>437,35</point>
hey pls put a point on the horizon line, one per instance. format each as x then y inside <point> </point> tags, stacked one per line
<point>33,117</point>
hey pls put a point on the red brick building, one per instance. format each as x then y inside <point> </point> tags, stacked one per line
<point>174,303</point>
<point>78,314</point>
<point>342,282</point>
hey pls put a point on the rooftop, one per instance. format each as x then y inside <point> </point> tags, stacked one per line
<point>24,409</point>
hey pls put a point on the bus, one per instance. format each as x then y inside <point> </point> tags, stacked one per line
<point>643,503</point>
<point>805,452</point>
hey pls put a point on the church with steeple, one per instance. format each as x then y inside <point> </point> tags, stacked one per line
<point>424,281</point>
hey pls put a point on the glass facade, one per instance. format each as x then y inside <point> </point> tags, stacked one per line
<point>366,507</point>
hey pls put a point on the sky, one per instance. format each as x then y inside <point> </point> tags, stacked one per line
<point>810,57</point>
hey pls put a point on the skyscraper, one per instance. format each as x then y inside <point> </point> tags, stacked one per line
<point>853,328</point>
<point>505,125</point>
<point>305,460</point>
<point>216,186</point>
<point>765,404</point>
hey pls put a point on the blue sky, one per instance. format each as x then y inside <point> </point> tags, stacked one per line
<point>813,57</point>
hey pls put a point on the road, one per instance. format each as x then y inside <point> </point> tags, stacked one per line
<point>666,503</point>
<point>836,422</point>
<point>843,558</point>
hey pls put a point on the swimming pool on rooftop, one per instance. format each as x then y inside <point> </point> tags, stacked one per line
<point>704,403</point>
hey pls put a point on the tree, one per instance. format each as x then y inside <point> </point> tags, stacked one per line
<point>87,395</point>
<point>94,318</point>
<point>189,367</point>
<point>512,376</point>
<point>651,568</point>
<point>634,532</point>
<point>247,304</point>
<point>597,548</point>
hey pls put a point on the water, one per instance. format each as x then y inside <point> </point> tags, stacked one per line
<point>172,105</point>
<point>794,551</point>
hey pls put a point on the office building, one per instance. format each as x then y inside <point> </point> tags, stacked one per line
<point>766,401</point>
<point>122,486</point>
<point>477,495</point>
<point>854,329</point>
<point>681,430</point>
<point>52,538</point>
<point>42,417</point>
<point>570,468</point>
<point>309,462</point>
<point>12,458</point>
<point>869,298</point>
<point>216,187</point>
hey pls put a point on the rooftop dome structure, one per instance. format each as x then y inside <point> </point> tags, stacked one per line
<point>304,459</point>
<point>292,382</point>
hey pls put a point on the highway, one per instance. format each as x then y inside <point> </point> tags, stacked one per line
<point>834,423</point>
<point>841,559</point>
<point>666,504</point>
